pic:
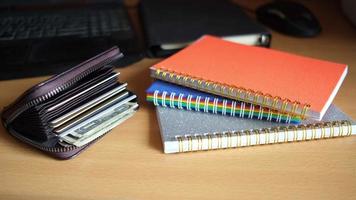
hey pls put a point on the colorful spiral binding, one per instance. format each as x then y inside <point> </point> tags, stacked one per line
<point>218,106</point>
<point>234,92</point>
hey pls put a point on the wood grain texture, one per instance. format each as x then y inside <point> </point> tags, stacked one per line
<point>129,162</point>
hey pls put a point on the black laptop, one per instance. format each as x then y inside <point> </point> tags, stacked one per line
<point>42,37</point>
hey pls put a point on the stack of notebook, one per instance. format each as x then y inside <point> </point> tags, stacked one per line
<point>217,94</point>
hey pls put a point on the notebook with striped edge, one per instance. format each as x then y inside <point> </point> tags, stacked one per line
<point>185,131</point>
<point>165,94</point>
<point>278,80</point>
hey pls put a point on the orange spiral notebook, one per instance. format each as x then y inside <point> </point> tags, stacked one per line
<point>278,80</point>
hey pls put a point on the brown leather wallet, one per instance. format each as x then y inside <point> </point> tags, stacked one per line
<point>67,113</point>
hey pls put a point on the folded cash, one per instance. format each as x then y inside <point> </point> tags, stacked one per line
<point>59,121</point>
<point>98,125</point>
<point>120,98</point>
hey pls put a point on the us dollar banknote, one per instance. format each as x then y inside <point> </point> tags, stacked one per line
<point>98,125</point>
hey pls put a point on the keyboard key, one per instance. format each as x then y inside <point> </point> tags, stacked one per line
<point>82,23</point>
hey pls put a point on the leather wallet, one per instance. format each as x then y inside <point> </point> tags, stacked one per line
<point>67,113</point>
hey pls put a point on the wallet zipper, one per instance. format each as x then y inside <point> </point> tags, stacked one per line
<point>58,150</point>
<point>24,106</point>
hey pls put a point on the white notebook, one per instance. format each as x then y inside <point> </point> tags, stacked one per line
<point>184,131</point>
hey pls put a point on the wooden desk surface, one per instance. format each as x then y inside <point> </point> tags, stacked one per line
<point>129,164</point>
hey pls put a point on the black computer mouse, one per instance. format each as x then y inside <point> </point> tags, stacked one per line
<point>289,18</point>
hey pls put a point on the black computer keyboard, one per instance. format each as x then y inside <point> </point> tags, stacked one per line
<point>80,23</point>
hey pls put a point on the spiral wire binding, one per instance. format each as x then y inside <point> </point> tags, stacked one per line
<point>239,93</point>
<point>241,113</point>
<point>272,135</point>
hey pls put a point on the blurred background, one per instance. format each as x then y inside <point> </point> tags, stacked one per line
<point>45,37</point>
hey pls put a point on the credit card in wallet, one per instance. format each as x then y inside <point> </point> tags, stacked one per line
<point>123,96</point>
<point>81,109</point>
<point>81,93</point>
<point>99,124</point>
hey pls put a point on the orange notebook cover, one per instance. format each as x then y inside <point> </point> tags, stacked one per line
<point>270,78</point>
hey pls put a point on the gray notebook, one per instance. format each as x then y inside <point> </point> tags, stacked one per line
<point>184,131</point>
